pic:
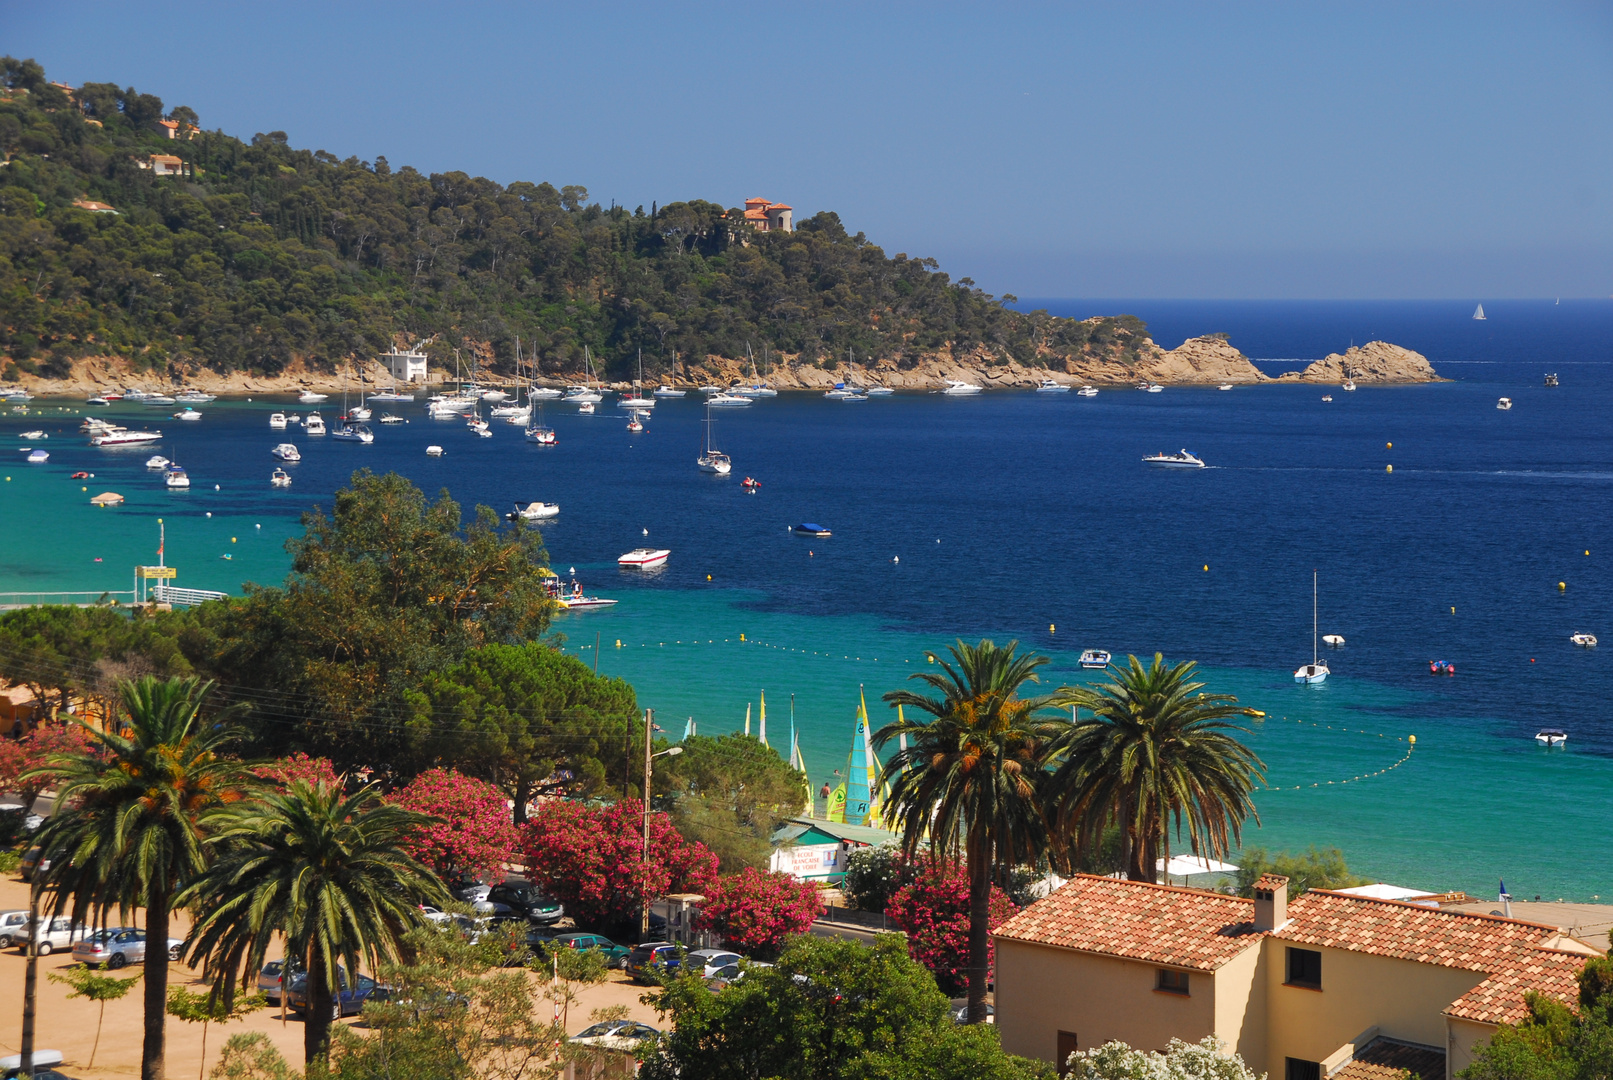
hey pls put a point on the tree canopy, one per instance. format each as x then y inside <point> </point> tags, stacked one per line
<point>258,254</point>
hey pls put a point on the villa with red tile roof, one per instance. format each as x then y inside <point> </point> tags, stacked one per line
<point>767,216</point>
<point>1330,987</point>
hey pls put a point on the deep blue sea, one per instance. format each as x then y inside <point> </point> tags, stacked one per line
<point>1014,515</point>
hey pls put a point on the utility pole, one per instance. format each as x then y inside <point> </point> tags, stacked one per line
<point>649,766</point>
<point>30,985</point>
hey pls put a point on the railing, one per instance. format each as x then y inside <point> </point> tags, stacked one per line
<point>172,594</point>
<point>83,598</point>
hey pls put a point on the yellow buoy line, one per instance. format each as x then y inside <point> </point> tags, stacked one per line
<point>1409,740</point>
<point>741,640</point>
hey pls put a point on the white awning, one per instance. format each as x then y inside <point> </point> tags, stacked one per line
<point>1191,865</point>
<point>1381,891</point>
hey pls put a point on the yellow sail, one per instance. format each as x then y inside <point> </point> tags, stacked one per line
<point>763,720</point>
<point>837,804</point>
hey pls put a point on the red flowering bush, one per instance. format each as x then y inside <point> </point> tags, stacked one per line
<point>592,860</point>
<point>21,756</point>
<point>474,836</point>
<point>934,910</point>
<point>311,770</point>
<point>755,910</point>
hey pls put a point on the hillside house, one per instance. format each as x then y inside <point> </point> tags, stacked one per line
<point>175,130</point>
<point>764,216</point>
<point>405,367</point>
<point>166,165</point>
<point>1330,987</point>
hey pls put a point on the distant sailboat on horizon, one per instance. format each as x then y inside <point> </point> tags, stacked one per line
<point>1478,313</point>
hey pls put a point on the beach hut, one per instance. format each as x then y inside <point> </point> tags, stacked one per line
<point>107,498</point>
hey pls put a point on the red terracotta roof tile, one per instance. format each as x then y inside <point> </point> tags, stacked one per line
<point>1426,935</point>
<point>1499,999</point>
<point>1159,924</point>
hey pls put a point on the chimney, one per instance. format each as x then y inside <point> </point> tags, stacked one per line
<point>1271,901</point>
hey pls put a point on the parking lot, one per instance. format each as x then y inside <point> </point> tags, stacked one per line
<point>68,1025</point>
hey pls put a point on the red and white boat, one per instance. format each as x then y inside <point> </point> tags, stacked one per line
<point>644,558</point>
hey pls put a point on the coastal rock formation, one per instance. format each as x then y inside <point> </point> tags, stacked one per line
<point>1210,360</point>
<point>1374,362</point>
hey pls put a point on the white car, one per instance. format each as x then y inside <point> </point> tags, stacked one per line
<point>118,947</point>
<point>57,933</point>
<point>711,961</point>
<point>13,928</point>
<point>620,1035</point>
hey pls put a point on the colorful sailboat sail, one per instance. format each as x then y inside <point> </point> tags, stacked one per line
<point>762,730</point>
<point>856,805</point>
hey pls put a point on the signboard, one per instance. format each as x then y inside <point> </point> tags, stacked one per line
<point>809,860</point>
<point>157,571</point>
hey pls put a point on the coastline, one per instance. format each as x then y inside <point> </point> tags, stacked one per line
<point>1201,361</point>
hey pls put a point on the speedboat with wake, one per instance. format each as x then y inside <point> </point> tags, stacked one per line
<point>1183,460</point>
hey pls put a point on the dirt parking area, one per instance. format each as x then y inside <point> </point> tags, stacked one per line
<point>69,1024</point>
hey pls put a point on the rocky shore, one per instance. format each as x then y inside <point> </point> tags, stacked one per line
<point>1200,361</point>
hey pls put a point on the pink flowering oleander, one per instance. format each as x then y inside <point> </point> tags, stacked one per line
<point>934,911</point>
<point>474,836</point>
<point>755,910</point>
<point>311,770</point>
<point>591,860</point>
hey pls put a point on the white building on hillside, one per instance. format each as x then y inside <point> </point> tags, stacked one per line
<point>406,367</point>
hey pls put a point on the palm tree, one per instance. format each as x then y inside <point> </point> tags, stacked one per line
<point>126,834</point>
<point>326,870</point>
<point>969,781</point>
<point>1155,754</point>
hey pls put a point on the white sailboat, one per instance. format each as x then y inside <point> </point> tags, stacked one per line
<point>638,400</point>
<point>1478,313</point>
<point>712,460</point>
<point>585,393</point>
<point>1315,671</point>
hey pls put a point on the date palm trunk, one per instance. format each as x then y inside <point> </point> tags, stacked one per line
<point>316,1028</point>
<point>153,1048</point>
<point>979,929</point>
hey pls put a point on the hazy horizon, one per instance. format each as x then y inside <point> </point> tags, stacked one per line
<point>1242,151</point>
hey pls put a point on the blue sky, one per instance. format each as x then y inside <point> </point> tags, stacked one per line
<point>1104,150</point>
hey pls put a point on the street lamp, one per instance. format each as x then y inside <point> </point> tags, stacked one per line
<point>649,771</point>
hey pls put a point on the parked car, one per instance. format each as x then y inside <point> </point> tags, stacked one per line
<point>53,934</point>
<point>615,955</point>
<point>732,973</point>
<point>118,947</point>
<point>349,1001</point>
<point>13,928</point>
<point>272,979</point>
<point>707,962</point>
<point>468,889</point>
<point>651,960</point>
<point>622,1035</point>
<point>32,863</point>
<point>26,817</point>
<point>525,898</point>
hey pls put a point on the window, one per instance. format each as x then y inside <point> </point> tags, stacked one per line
<point>1305,968</point>
<point>1302,1070</point>
<point>1172,982</point>
<point>1067,1046</point>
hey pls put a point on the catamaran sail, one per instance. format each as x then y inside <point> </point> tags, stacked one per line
<point>855,804</point>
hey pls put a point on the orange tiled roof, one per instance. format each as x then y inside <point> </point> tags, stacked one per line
<point>1160,924</point>
<point>168,159</point>
<point>756,215</point>
<point>1499,999</point>
<point>1405,931</point>
<point>756,202</point>
<point>779,206</point>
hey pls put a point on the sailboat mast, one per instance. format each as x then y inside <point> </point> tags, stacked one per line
<point>1313,618</point>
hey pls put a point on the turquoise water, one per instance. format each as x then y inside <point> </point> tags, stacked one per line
<point>1014,515</point>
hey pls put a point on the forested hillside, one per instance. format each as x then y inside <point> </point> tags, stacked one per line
<point>260,254</point>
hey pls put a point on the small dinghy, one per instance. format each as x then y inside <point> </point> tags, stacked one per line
<point>1504,404</point>
<point>1441,667</point>
<point>809,528</point>
<point>1332,639</point>
<point>1584,641</point>
<point>1551,737</point>
<point>751,485</point>
<point>38,457</point>
<point>534,511</point>
<point>434,451</point>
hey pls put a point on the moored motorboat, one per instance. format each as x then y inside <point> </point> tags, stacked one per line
<point>1183,460</point>
<point>1095,658</point>
<point>188,414</point>
<point>434,451</point>
<point>194,397</point>
<point>277,420</point>
<point>810,528</point>
<point>38,457</point>
<point>534,511</point>
<point>669,392</point>
<point>112,435</point>
<point>1504,404</point>
<point>1551,737</point>
<point>1224,386</point>
<point>176,477</point>
<point>314,425</point>
<point>728,401</point>
<point>285,452</point>
<point>573,598</point>
<point>1154,388</point>
<point>1551,380</point>
<point>311,397</point>
<point>32,435</point>
<point>388,418</point>
<point>586,407</point>
<point>959,388</point>
<point>280,478</point>
<point>1327,397</point>
<point>97,401</point>
<point>1087,391</point>
<point>1584,641</point>
<point>1049,386</point>
<point>644,558</point>
<point>157,461</point>
<point>879,391</point>
<point>1349,384</point>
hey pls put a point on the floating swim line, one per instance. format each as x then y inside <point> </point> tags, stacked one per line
<point>1409,740</point>
<point>741,640</point>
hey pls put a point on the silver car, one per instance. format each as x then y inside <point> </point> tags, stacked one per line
<point>13,928</point>
<point>118,947</point>
<point>708,962</point>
